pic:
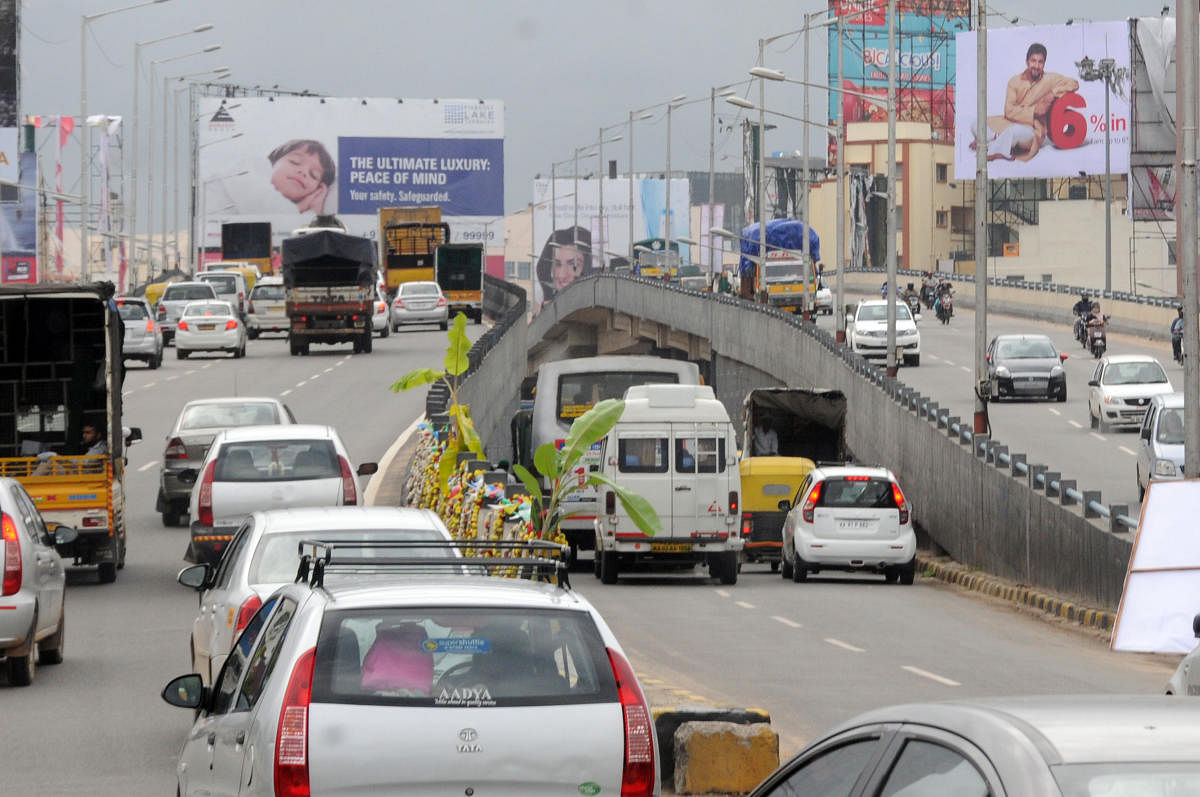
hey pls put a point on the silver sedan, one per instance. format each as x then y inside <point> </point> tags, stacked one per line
<point>420,303</point>
<point>209,326</point>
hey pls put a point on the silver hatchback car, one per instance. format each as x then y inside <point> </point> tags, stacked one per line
<point>263,557</point>
<point>32,606</point>
<point>420,684</point>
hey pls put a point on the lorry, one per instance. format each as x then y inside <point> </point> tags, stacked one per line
<point>787,280</point>
<point>60,370</point>
<point>248,242</point>
<point>329,281</point>
<point>458,270</point>
<point>652,258</point>
<point>408,238</point>
<point>810,426</point>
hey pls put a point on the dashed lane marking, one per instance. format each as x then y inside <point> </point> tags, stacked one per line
<point>302,383</point>
<point>148,465</point>
<point>150,384</point>
<point>744,605</point>
<point>724,593</point>
<point>172,378</point>
<point>1054,411</point>
<point>1127,451</point>
<point>965,368</point>
<point>948,362</point>
<point>1076,424</point>
<point>314,376</point>
<point>931,676</point>
<point>785,621</point>
<point>837,643</point>
<point>1099,437</point>
<point>286,392</point>
<point>329,369</point>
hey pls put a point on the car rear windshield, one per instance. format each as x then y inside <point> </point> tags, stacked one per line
<point>1159,778</point>
<point>223,284</point>
<point>268,293</point>
<point>1025,349</point>
<point>132,312</point>
<point>184,293</point>
<point>216,308</point>
<point>863,492</point>
<point>209,416</point>
<point>423,289</point>
<point>578,393</point>
<point>277,558</point>
<point>277,461</point>
<point>461,657</point>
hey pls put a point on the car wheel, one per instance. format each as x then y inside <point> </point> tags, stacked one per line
<point>1141,492</point>
<point>1104,426</point>
<point>608,567</point>
<point>386,331</point>
<point>396,328</point>
<point>727,571</point>
<point>108,572</point>
<point>785,568</point>
<point>50,649</point>
<point>170,517</point>
<point>155,361</point>
<point>908,572</point>
<point>1092,419</point>
<point>180,353</point>
<point>799,570</point>
<point>252,334</point>
<point>444,325</point>
<point>242,350</point>
<point>21,669</point>
<point>775,566</point>
<point>891,575</point>
<point>1062,394</point>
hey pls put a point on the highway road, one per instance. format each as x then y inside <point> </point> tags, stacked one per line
<point>1054,434</point>
<point>811,654</point>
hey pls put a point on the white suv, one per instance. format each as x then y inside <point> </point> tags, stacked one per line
<point>849,517</point>
<point>420,682</point>
<point>868,335</point>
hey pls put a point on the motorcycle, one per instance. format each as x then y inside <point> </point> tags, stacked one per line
<point>1097,337</point>
<point>945,308</point>
<point>927,295</point>
<point>914,306</point>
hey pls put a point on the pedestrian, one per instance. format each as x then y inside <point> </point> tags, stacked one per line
<point>1177,336</point>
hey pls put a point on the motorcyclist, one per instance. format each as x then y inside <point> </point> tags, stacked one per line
<point>1177,336</point>
<point>911,297</point>
<point>1081,309</point>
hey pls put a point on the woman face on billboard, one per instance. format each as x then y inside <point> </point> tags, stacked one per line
<point>569,262</point>
<point>303,172</point>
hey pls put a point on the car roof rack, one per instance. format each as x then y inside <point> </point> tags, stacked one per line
<point>540,560</point>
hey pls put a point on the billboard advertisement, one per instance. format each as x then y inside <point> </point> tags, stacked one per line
<point>18,227</point>
<point>1045,117</point>
<point>1152,177</point>
<point>284,160</point>
<point>925,31</point>
<point>566,226</point>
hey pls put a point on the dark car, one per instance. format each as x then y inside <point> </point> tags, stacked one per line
<point>1026,366</point>
<point>1076,746</point>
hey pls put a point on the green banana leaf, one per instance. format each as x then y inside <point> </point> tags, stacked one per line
<point>457,361</point>
<point>416,378</point>
<point>531,483</point>
<point>545,459</point>
<point>639,509</point>
<point>590,428</point>
<point>466,428</point>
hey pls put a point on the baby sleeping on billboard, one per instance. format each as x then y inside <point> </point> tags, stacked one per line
<point>1048,119</point>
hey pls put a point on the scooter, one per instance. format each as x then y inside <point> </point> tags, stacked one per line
<point>1098,337</point>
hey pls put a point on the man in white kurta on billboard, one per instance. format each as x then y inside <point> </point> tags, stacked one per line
<point>1029,96</point>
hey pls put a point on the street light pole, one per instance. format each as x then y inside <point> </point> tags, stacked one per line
<point>982,384</point>
<point>840,304</point>
<point>761,211</point>
<point>1106,68</point>
<point>667,234</point>
<point>890,241</point>
<point>1187,28</point>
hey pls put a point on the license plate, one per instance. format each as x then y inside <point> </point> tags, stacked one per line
<point>206,327</point>
<point>854,525</point>
<point>670,547</point>
<point>275,308</point>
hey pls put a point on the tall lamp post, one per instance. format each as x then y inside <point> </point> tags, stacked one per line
<point>667,234</point>
<point>1105,69</point>
<point>85,153</point>
<point>640,113</point>
<point>171,172</point>
<point>204,202</point>
<point>131,206</point>
<point>602,172</point>
<point>716,91</point>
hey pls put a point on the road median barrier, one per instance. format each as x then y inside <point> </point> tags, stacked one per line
<point>726,750</point>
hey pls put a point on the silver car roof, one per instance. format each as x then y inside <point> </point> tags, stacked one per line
<point>319,518</point>
<point>297,431</point>
<point>483,591</point>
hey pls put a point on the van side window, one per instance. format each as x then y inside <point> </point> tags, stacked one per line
<point>642,454</point>
<point>699,454</point>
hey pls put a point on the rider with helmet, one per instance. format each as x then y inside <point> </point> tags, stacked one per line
<point>1081,309</point>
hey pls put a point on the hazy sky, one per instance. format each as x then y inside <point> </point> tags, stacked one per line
<point>563,68</point>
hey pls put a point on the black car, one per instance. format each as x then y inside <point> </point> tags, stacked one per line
<point>1026,366</point>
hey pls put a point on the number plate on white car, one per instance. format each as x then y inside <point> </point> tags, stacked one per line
<point>854,525</point>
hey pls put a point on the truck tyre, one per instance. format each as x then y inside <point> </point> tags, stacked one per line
<point>728,569</point>
<point>304,349</point>
<point>608,567</point>
<point>108,572</point>
<point>293,346</point>
<point>479,313</point>
<point>171,517</point>
<point>368,341</point>
<point>21,669</point>
<point>50,649</point>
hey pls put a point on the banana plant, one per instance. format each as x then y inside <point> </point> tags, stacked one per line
<point>463,436</point>
<point>558,466</point>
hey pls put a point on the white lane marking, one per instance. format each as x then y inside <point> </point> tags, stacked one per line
<point>1076,424</point>
<point>949,362</point>
<point>785,621</point>
<point>302,383</point>
<point>1054,411</point>
<point>837,643</point>
<point>286,392</point>
<point>314,376</point>
<point>385,463</point>
<point>930,675</point>
<point>149,384</point>
<point>1101,438</point>
<point>744,605</point>
<point>1127,451</point>
<point>172,378</point>
<point>329,369</point>
<point>724,593</point>
<point>148,465</point>
<point>209,365</point>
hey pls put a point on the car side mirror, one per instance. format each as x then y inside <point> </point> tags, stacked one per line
<point>367,468</point>
<point>1062,357</point>
<point>916,317</point>
<point>1093,383</point>
<point>187,476</point>
<point>60,534</point>
<point>1145,433</point>
<point>186,691</point>
<point>195,576</point>
<point>134,436</point>
<point>784,505</point>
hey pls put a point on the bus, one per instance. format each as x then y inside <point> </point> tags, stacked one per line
<point>566,389</point>
<point>652,258</point>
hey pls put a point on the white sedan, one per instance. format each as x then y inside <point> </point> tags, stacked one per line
<point>1121,388</point>
<point>868,333</point>
<point>209,325</point>
<point>381,317</point>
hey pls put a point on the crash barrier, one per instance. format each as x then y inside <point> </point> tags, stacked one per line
<point>722,757</point>
<point>668,721</point>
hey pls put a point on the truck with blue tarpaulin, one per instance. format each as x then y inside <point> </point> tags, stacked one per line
<point>787,275</point>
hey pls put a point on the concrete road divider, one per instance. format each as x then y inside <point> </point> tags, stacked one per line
<point>667,720</point>
<point>723,757</point>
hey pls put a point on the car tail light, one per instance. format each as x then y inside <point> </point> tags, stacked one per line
<point>231,323</point>
<point>637,774</point>
<point>291,739</point>
<point>399,303</point>
<point>380,307</point>
<point>182,324</point>
<point>610,503</point>
<point>12,555</point>
<point>162,312</point>
<point>250,307</point>
<point>245,612</point>
<point>733,502</point>
<point>441,301</point>
<point>349,489</point>
<point>149,324</point>
<point>747,524</point>
<point>175,449</point>
<point>901,504</point>
<point>204,511</point>
<point>810,503</point>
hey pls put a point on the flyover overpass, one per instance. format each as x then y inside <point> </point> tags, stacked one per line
<point>986,506</point>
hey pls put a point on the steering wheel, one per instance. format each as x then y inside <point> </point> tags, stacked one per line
<point>454,672</point>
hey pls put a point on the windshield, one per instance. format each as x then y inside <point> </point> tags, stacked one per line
<point>210,416</point>
<point>878,312</point>
<point>1157,779</point>
<point>132,312</point>
<point>222,284</point>
<point>183,293</point>
<point>1025,349</point>
<point>788,270</point>
<point>268,292</point>
<point>207,308</point>
<point>1134,374</point>
<point>1170,426</point>
<point>578,393</point>
<point>277,460</point>
<point>277,558</point>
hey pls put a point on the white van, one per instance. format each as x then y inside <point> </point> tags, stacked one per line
<point>675,447</point>
<point>230,287</point>
<point>567,389</point>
